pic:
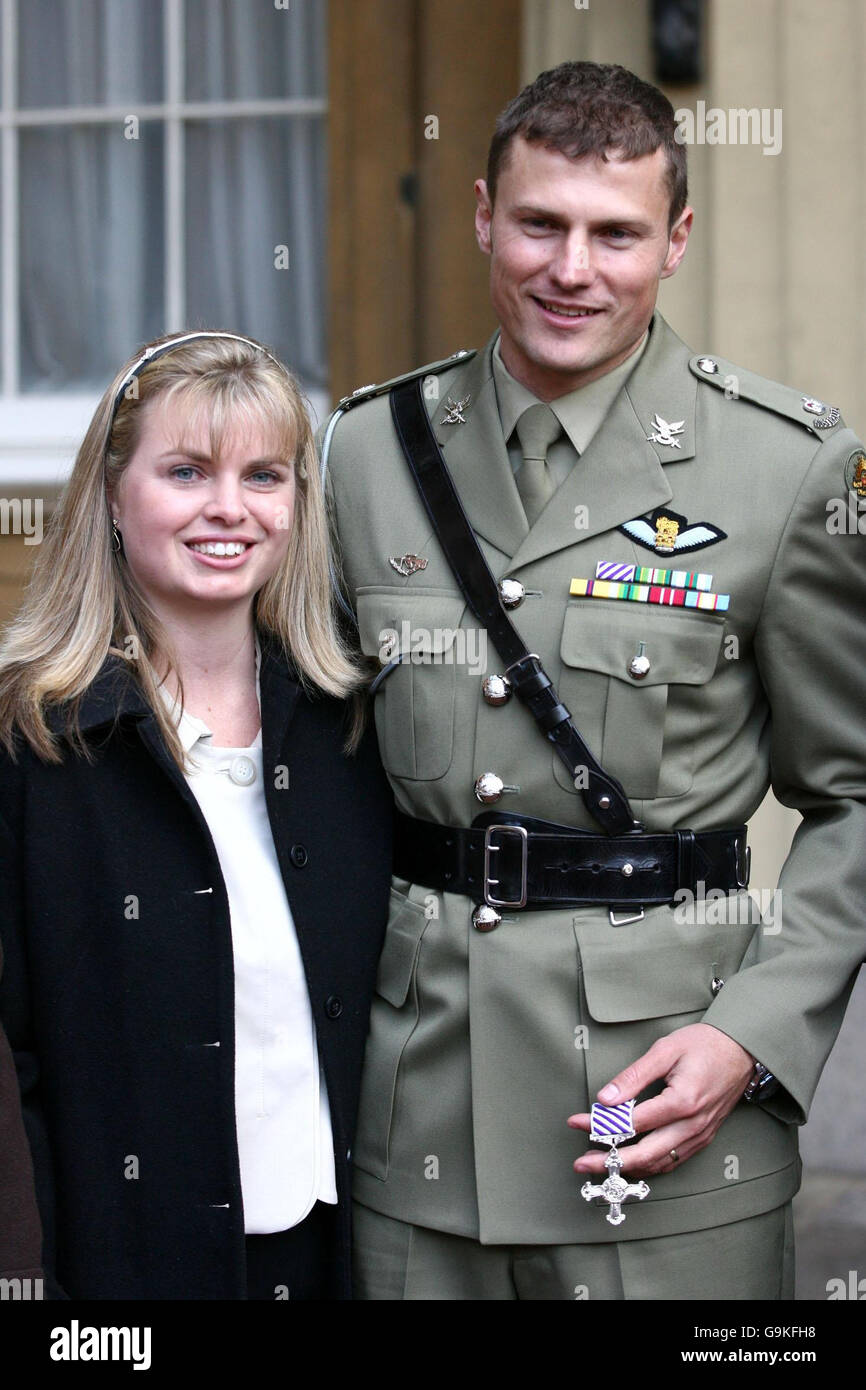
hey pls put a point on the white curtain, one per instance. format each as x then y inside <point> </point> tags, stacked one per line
<point>92,250</point>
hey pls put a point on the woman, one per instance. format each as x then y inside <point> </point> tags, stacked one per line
<point>196,854</point>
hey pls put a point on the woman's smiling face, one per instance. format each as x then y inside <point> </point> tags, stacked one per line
<point>203,521</point>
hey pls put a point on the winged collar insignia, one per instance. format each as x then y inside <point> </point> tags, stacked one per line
<point>663,432</point>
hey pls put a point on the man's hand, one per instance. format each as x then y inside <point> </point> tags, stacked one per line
<point>706,1073</point>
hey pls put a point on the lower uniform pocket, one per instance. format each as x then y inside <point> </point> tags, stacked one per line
<point>393,1018</point>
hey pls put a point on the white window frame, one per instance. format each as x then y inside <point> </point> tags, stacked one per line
<point>40,433</point>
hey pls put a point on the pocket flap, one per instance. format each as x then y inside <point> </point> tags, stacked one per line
<point>603,635</point>
<point>397,621</point>
<point>402,939</point>
<point>659,967</point>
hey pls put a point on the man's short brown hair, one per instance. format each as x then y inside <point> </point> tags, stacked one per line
<point>583,109</point>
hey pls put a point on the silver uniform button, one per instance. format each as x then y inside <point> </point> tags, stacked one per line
<point>716,984</point>
<point>490,786</point>
<point>485,918</point>
<point>707,364</point>
<point>496,689</point>
<point>638,667</point>
<point>242,771</point>
<point>511,592</point>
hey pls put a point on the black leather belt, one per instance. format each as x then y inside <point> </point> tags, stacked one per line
<point>513,861</point>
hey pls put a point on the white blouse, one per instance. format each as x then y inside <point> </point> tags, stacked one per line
<point>285,1143</point>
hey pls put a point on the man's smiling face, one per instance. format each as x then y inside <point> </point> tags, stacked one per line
<point>577,249</point>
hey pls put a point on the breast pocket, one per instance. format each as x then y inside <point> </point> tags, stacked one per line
<point>414,706</point>
<point>641,730</point>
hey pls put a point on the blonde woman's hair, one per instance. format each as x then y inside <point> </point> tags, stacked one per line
<point>82,603</point>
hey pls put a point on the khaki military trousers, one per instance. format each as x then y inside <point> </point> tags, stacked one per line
<point>751,1259</point>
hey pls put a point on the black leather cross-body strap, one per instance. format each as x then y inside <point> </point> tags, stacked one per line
<point>605,799</point>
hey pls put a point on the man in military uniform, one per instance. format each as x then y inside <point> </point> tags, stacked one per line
<point>657,523</point>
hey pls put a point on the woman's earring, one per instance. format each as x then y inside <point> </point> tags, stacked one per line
<point>116,542</point>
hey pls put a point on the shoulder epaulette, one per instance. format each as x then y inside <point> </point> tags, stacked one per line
<point>815,415</point>
<point>366,393</point>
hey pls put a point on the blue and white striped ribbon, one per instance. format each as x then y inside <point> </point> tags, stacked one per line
<point>611,1123</point>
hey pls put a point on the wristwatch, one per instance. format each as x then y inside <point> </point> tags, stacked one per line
<point>762,1084</point>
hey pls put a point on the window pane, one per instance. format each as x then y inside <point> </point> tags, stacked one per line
<point>244,49</point>
<point>89,52</point>
<point>91,252</point>
<point>254,188</point>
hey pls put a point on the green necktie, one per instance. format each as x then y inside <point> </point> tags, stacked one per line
<point>537,429</point>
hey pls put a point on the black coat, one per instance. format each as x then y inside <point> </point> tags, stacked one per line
<point>20,1231</point>
<point>118,980</point>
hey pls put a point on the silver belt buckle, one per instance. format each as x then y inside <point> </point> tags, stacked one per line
<point>489,848</point>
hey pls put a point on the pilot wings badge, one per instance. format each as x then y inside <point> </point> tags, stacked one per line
<point>668,533</point>
<point>663,433</point>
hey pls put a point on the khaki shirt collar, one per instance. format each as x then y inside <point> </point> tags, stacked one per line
<point>580,412</point>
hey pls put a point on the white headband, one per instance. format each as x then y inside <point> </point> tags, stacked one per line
<point>150,354</point>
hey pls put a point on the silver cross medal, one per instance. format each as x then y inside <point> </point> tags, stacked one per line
<point>610,1124</point>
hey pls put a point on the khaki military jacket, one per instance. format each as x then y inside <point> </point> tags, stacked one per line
<point>481,1045</point>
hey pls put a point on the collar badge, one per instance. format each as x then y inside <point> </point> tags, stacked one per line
<point>454,413</point>
<point>663,433</point>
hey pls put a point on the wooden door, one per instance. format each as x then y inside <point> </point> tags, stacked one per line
<point>415,87</point>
